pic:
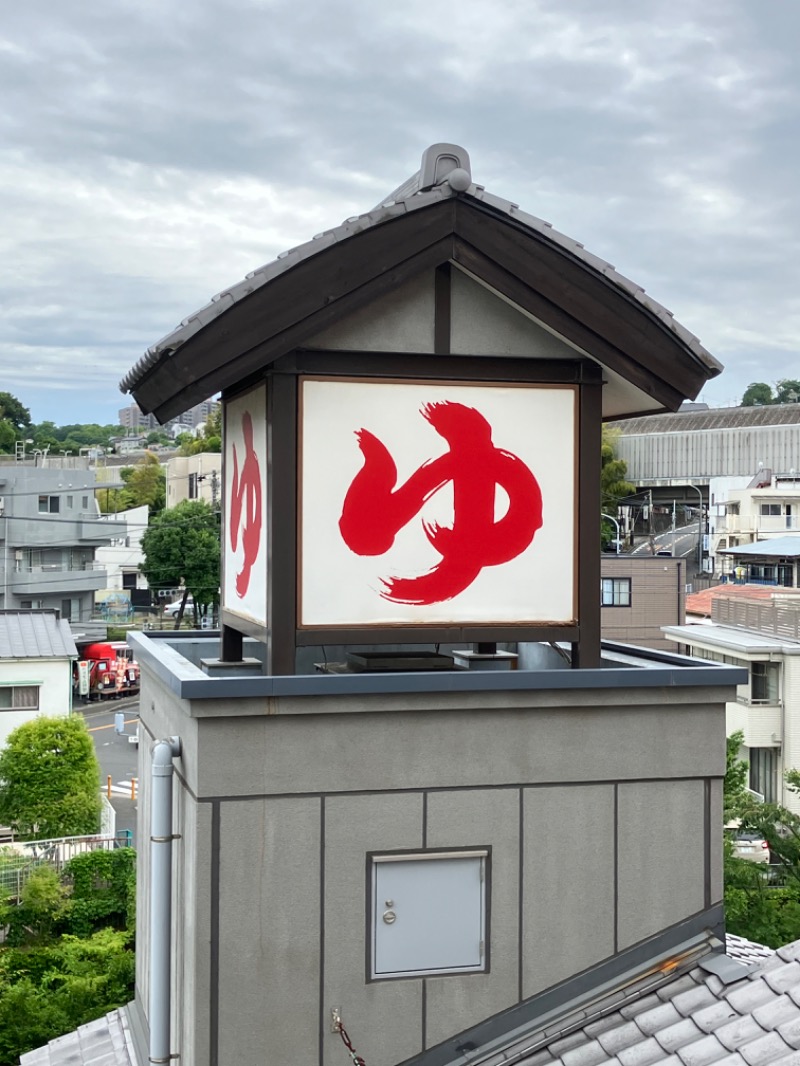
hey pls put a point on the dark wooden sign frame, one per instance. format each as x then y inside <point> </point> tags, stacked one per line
<point>282,634</point>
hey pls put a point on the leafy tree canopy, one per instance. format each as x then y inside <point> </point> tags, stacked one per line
<point>756,394</point>
<point>145,483</point>
<point>210,440</point>
<point>11,410</point>
<point>787,390</point>
<point>182,547</point>
<point>50,779</point>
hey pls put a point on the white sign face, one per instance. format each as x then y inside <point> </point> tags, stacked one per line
<point>434,503</point>
<point>244,530</point>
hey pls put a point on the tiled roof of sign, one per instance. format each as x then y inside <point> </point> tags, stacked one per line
<point>35,635</point>
<point>743,950</point>
<point>103,1042</point>
<point>445,174</point>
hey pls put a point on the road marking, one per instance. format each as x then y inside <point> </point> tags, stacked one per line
<point>97,728</point>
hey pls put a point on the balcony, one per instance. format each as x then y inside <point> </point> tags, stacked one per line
<point>761,723</point>
<point>54,578</point>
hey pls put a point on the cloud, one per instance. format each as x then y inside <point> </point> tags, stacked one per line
<point>154,153</point>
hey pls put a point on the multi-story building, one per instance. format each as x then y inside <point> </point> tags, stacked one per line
<point>194,477</point>
<point>767,508</point>
<point>50,528</point>
<point>763,637</point>
<point>132,417</point>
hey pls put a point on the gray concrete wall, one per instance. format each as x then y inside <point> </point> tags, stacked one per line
<point>592,803</point>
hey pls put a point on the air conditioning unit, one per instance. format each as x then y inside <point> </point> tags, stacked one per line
<point>688,589</point>
<point>19,555</point>
<point>2,504</point>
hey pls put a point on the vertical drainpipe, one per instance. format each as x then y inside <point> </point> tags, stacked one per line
<point>161,837</point>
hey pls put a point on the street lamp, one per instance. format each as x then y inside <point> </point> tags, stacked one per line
<point>699,528</point>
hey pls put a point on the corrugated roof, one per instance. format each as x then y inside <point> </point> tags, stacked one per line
<point>437,180</point>
<point>780,547</point>
<point>104,1042</point>
<point>35,635</point>
<point>784,414</point>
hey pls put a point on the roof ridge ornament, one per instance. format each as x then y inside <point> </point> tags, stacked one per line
<point>445,163</point>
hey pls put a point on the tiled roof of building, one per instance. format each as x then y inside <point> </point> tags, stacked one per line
<point>103,1042</point>
<point>699,603</point>
<point>418,191</point>
<point>35,635</point>
<point>722,1011</point>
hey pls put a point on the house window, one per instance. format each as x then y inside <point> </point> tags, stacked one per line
<point>69,502</point>
<point>723,543</point>
<point>615,592</point>
<point>85,503</point>
<point>192,486</point>
<point>764,772</point>
<point>49,504</point>
<point>31,605</point>
<point>19,697</point>
<point>770,509</point>
<point>764,683</point>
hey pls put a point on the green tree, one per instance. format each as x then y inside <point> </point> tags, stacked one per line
<point>182,547</point>
<point>756,394</point>
<point>51,990</point>
<point>787,390</point>
<point>146,483</point>
<point>11,410</point>
<point>210,440</point>
<point>8,436</point>
<point>50,779</point>
<point>613,486</point>
<point>734,789</point>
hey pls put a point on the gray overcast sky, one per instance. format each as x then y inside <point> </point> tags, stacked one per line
<point>155,151</point>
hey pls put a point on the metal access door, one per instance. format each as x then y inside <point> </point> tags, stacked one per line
<point>428,914</point>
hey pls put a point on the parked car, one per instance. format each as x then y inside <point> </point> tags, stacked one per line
<point>171,610</point>
<point>749,845</point>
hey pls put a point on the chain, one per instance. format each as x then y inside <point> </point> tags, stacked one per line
<point>357,1060</point>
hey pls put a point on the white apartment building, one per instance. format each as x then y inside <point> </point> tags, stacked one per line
<point>765,508</point>
<point>194,477</point>
<point>762,637</point>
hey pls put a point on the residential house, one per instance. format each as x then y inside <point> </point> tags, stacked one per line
<point>121,559</point>
<point>766,509</point>
<point>639,595</point>
<point>37,650</point>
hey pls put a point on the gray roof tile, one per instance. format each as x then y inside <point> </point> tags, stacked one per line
<point>748,995</point>
<point>645,1053</point>
<point>676,1036</point>
<point>790,1031</point>
<point>711,1018</point>
<point>779,1011</point>
<point>660,1017</point>
<point>621,1036</point>
<point>639,1006</point>
<point>567,1043</point>
<point>792,1059</point>
<point>693,1000</point>
<point>702,1052</point>
<point>764,1050</point>
<point>602,1025</point>
<point>590,1054</point>
<point>681,984</point>
<point>782,976</point>
<point>738,1032</point>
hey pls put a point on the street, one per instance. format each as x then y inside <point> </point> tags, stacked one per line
<point>118,758</point>
<point>681,542</point>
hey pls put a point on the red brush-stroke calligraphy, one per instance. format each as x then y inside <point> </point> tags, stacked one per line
<point>374,510</point>
<point>245,509</point>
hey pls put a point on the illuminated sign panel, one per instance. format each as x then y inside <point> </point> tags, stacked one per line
<point>244,529</point>
<point>436,503</point>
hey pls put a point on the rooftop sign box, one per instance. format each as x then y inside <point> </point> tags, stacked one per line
<point>412,412</point>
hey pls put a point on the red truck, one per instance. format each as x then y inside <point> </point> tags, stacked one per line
<point>106,670</point>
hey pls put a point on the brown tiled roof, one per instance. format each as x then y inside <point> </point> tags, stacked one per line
<point>699,603</point>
